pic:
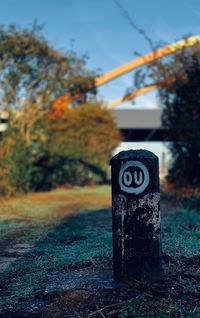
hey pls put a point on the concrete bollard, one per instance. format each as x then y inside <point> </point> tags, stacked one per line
<point>136,216</point>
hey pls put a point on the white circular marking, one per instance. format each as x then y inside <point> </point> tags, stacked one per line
<point>126,177</point>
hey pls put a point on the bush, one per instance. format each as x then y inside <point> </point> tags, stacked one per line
<point>53,170</point>
<point>16,165</point>
<point>181,118</point>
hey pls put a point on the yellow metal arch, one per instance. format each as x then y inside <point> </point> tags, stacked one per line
<point>61,101</point>
<point>139,62</point>
<point>131,96</point>
<point>149,57</point>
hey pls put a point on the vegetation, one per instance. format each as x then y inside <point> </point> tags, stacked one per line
<point>33,72</point>
<point>55,235</point>
<point>181,118</point>
<point>46,144</point>
<point>177,78</point>
<point>69,231</point>
<point>179,92</point>
<point>85,136</point>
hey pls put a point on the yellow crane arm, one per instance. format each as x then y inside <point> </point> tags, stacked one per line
<point>149,57</point>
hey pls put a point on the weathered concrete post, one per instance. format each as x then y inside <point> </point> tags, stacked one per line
<point>136,216</point>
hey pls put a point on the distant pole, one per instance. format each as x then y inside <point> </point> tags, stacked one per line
<point>136,216</point>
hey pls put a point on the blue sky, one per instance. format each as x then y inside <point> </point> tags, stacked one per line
<point>99,28</point>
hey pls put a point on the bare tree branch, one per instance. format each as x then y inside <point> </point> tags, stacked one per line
<point>133,24</point>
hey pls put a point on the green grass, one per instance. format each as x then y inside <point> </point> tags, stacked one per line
<point>58,251</point>
<point>65,240</point>
<point>59,242</point>
<point>181,234</point>
<point>32,219</point>
<point>146,306</point>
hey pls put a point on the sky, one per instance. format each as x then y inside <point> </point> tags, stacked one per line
<point>100,29</point>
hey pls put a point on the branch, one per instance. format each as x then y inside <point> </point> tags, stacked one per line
<point>133,24</point>
<point>12,91</point>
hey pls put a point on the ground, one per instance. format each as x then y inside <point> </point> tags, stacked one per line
<point>56,259</point>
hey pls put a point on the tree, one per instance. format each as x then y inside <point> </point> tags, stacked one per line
<point>32,75</point>
<point>43,147</point>
<point>181,118</point>
<point>177,77</point>
<point>16,164</point>
<point>87,135</point>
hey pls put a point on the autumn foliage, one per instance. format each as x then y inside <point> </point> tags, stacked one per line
<point>87,134</point>
<point>54,136</point>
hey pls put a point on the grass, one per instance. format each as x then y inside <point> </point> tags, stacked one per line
<point>71,229</point>
<point>57,236</point>
<point>59,250</point>
<point>181,234</point>
<point>33,215</point>
<point>146,306</point>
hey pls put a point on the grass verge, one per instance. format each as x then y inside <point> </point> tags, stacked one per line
<point>71,229</point>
